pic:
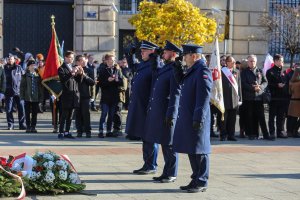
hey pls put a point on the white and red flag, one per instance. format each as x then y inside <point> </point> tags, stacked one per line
<point>269,63</point>
<point>216,97</point>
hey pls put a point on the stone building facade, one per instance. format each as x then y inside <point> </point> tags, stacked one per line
<point>97,26</point>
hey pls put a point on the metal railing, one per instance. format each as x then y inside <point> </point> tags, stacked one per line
<point>276,43</point>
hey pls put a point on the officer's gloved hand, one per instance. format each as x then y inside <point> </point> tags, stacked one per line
<point>159,51</point>
<point>169,122</point>
<point>154,58</point>
<point>197,126</point>
<point>178,62</point>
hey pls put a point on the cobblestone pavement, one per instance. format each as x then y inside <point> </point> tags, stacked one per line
<point>242,170</point>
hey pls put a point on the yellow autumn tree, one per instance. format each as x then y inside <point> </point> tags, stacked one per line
<point>178,21</point>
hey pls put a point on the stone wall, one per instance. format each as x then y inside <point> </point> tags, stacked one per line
<point>245,36</point>
<point>96,28</point>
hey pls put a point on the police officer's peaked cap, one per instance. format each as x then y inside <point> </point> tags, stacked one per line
<point>172,47</point>
<point>148,45</point>
<point>191,48</point>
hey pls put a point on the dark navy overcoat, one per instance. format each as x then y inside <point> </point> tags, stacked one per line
<point>139,99</point>
<point>162,104</point>
<point>194,106</point>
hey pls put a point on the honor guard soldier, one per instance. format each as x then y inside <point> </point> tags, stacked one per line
<point>192,129</point>
<point>139,99</point>
<point>162,112</point>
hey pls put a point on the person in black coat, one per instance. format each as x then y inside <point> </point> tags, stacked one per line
<point>231,84</point>
<point>83,118</point>
<point>253,84</point>
<point>278,87</point>
<point>110,79</point>
<point>69,77</point>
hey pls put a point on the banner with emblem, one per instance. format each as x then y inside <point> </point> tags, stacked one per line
<point>216,97</point>
<point>53,62</point>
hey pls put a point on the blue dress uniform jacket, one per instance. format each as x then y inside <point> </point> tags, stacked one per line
<point>162,104</point>
<point>139,99</point>
<point>194,106</point>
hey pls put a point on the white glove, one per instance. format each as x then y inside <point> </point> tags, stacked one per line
<point>52,97</point>
<point>22,101</point>
<point>92,100</point>
<point>240,103</point>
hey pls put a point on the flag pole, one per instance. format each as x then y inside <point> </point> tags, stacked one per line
<point>54,101</point>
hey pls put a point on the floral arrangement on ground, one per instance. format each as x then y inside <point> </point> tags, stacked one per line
<point>46,173</point>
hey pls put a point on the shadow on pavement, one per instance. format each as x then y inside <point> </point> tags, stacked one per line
<point>272,176</point>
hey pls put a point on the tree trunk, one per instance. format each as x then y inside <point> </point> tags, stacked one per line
<point>292,60</point>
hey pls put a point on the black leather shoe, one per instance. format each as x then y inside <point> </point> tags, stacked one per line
<point>138,170</point>
<point>280,135</point>
<point>28,130</point>
<point>10,128</point>
<point>110,134</point>
<point>297,135</point>
<point>231,139</point>
<point>147,171</point>
<point>252,137</point>
<point>33,130</point>
<point>100,135</point>
<point>55,130</point>
<point>22,127</point>
<point>159,178</point>
<point>270,138</point>
<point>79,135</point>
<point>186,187</point>
<point>88,135</point>
<point>222,139</point>
<point>69,136</point>
<point>197,189</point>
<point>169,179</point>
<point>60,136</point>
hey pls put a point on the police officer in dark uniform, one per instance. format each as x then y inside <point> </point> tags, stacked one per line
<point>192,129</point>
<point>162,112</point>
<point>137,111</point>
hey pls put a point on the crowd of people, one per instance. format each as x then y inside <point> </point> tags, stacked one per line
<point>246,95</point>
<point>167,95</point>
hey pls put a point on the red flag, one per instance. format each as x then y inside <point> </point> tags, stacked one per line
<point>53,58</point>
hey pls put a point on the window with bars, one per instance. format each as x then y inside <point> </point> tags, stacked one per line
<point>131,6</point>
<point>276,43</point>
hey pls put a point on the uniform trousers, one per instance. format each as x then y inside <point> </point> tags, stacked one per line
<point>150,151</point>
<point>171,161</point>
<point>200,167</point>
